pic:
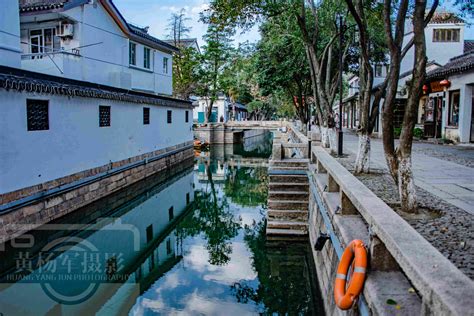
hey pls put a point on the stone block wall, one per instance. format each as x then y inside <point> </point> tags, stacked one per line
<point>46,209</point>
<point>326,261</point>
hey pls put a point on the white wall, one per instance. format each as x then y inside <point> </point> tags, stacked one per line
<point>107,62</point>
<point>464,83</point>
<point>439,52</point>
<point>220,104</point>
<point>74,141</point>
<point>9,34</point>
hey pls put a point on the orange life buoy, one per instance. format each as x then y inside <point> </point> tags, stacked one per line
<point>355,256</point>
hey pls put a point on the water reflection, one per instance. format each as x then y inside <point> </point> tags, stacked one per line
<point>191,243</point>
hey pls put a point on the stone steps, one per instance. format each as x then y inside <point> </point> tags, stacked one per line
<point>287,205</point>
<point>290,225</point>
<point>288,198</point>
<point>286,233</point>
<point>301,164</point>
<point>295,186</point>
<point>289,195</point>
<point>287,168</point>
<point>288,178</point>
<point>287,215</point>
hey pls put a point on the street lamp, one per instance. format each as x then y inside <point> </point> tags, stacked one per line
<point>339,133</point>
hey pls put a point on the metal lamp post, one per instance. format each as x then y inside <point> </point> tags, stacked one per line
<point>339,133</point>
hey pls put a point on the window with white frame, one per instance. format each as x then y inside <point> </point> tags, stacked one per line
<point>378,71</point>
<point>146,58</point>
<point>132,54</point>
<point>165,65</point>
<point>446,35</point>
<point>454,103</point>
<point>43,41</point>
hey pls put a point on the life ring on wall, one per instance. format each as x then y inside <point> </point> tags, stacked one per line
<point>354,259</point>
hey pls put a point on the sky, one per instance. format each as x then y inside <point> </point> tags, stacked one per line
<point>156,13</point>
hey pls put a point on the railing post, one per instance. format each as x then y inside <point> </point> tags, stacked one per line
<point>380,257</point>
<point>333,186</point>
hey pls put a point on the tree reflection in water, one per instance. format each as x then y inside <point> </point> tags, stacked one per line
<point>247,186</point>
<point>213,218</point>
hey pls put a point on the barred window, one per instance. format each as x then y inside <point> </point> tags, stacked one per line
<point>171,213</point>
<point>146,116</point>
<point>37,115</point>
<point>169,116</point>
<point>149,233</point>
<point>168,246</point>
<point>188,198</point>
<point>186,116</point>
<point>446,35</point>
<point>104,116</point>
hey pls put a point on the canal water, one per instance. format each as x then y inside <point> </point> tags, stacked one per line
<point>190,241</point>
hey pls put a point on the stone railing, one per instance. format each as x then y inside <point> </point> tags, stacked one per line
<point>406,276</point>
<point>290,144</point>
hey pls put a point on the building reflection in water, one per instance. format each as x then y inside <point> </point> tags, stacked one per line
<point>190,242</point>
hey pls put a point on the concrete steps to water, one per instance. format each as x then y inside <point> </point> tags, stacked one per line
<point>288,195</point>
<point>287,215</point>
<point>295,186</point>
<point>288,198</point>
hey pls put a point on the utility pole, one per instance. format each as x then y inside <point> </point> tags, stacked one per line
<point>339,133</point>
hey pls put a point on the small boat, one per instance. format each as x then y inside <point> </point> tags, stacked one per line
<point>198,144</point>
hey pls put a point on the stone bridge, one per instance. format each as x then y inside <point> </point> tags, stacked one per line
<point>234,131</point>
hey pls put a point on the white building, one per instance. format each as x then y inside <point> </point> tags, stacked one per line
<point>447,108</point>
<point>444,40</point>
<point>89,40</point>
<point>223,110</point>
<point>89,112</point>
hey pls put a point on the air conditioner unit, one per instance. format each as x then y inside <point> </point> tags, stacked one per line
<point>65,30</point>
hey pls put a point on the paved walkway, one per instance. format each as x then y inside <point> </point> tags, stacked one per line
<point>450,181</point>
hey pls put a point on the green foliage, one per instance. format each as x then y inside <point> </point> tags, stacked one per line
<point>213,218</point>
<point>213,62</point>
<point>186,61</point>
<point>397,131</point>
<point>247,186</point>
<point>418,133</point>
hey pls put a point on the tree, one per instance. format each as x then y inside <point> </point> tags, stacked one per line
<point>399,159</point>
<point>372,47</point>
<point>186,61</point>
<point>281,65</point>
<point>213,61</point>
<point>318,33</point>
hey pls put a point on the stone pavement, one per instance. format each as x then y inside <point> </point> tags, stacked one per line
<point>434,169</point>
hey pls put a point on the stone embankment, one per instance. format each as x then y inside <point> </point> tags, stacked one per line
<point>29,208</point>
<point>406,275</point>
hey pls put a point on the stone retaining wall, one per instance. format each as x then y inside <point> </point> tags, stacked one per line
<point>403,268</point>
<point>19,219</point>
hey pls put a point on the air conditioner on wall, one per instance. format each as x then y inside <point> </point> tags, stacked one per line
<point>65,29</point>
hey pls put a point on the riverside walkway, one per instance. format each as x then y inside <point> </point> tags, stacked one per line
<point>439,169</point>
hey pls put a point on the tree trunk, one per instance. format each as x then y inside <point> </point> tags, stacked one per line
<point>405,174</point>
<point>332,136</point>
<point>362,163</point>
<point>406,185</point>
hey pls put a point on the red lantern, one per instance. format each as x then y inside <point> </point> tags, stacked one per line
<point>425,89</point>
<point>445,83</point>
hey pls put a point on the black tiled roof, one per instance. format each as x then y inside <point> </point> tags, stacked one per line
<point>468,46</point>
<point>446,17</point>
<point>143,34</point>
<point>28,81</point>
<point>38,5</point>
<point>456,65</point>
